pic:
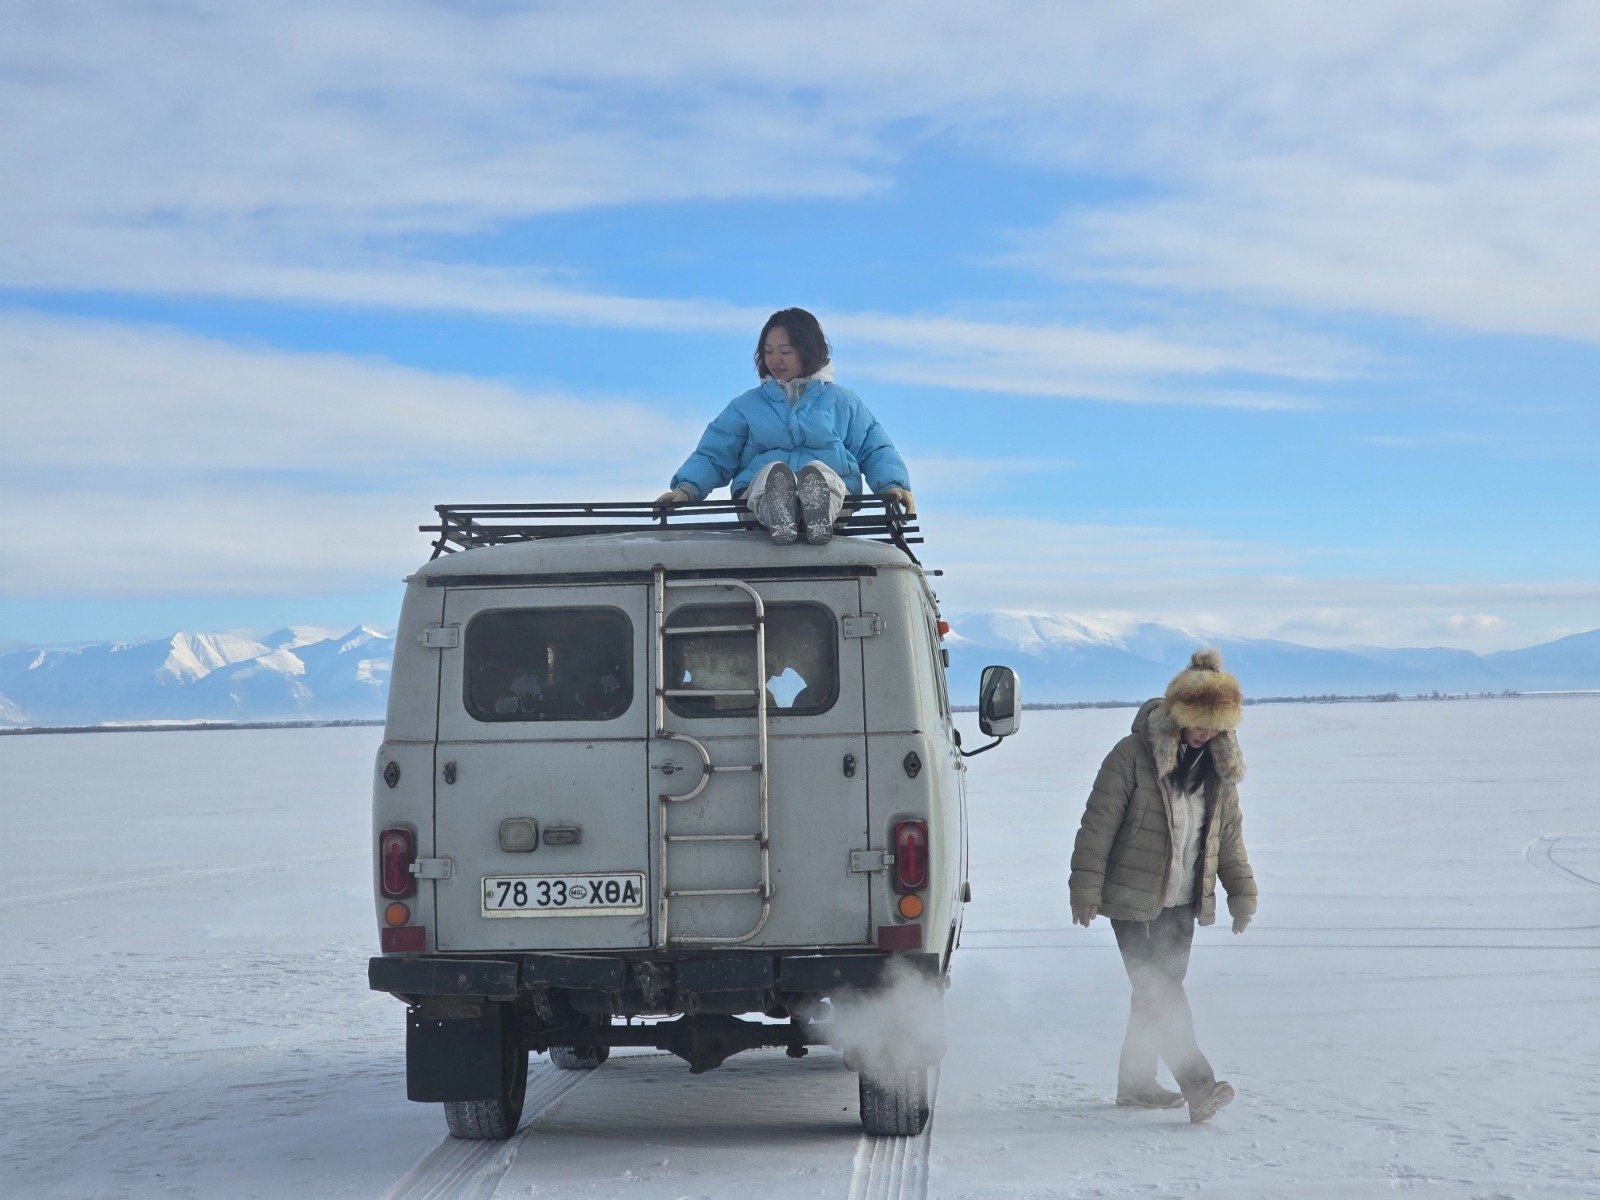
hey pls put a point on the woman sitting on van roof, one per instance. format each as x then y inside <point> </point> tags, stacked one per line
<point>795,446</point>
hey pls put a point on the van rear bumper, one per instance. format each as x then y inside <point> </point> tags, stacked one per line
<point>502,978</point>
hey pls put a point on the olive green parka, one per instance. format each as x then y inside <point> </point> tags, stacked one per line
<point>1122,856</point>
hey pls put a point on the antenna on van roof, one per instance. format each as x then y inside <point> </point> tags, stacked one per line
<point>466,526</point>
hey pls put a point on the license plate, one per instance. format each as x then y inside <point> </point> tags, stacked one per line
<point>563,895</point>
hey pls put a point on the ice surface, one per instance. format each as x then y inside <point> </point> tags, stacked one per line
<point>187,923</point>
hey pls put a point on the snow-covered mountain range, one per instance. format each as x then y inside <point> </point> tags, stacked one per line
<point>306,673</point>
<point>291,674</point>
<point>1064,659</point>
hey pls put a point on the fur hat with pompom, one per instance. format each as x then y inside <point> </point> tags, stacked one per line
<point>1203,695</point>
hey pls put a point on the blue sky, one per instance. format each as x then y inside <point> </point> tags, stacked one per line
<point>1262,318</point>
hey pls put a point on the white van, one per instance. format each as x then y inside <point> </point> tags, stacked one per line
<point>590,831</point>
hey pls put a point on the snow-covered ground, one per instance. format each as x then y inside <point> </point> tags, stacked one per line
<point>1417,1009</point>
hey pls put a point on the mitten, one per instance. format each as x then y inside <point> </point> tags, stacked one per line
<point>903,497</point>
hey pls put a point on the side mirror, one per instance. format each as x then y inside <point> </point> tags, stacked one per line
<point>999,702</point>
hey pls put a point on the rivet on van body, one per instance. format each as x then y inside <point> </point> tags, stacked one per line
<point>912,764</point>
<point>391,774</point>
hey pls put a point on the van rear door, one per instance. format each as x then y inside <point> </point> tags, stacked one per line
<point>541,794</point>
<point>816,768</point>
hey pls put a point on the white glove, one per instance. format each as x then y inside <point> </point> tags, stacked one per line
<point>1240,924</point>
<point>678,495</point>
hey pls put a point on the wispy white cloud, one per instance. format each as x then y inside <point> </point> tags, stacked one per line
<point>94,394</point>
<point>1433,440</point>
<point>1428,160</point>
<point>1472,625</point>
<point>143,461</point>
<point>1425,160</point>
<point>1139,366</point>
<point>1124,574</point>
<point>1534,436</point>
<point>160,462</point>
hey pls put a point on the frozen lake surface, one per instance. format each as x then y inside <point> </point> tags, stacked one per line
<point>1416,1009</point>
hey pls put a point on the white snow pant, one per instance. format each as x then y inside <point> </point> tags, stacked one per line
<point>836,489</point>
<point>1156,955</point>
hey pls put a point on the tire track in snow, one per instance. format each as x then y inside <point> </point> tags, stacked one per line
<point>890,1168</point>
<point>157,1111</point>
<point>153,878</point>
<point>1541,853</point>
<point>463,1170</point>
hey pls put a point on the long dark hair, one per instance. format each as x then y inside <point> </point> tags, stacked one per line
<point>1194,769</point>
<point>805,335</point>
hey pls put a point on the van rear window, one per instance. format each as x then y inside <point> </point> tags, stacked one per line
<point>549,664</point>
<point>802,669</point>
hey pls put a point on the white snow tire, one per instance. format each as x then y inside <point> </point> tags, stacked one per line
<point>579,1058</point>
<point>894,1104</point>
<point>497,1119</point>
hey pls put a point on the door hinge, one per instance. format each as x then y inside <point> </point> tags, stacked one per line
<point>866,625</point>
<point>440,637</point>
<point>871,860</point>
<point>434,868</point>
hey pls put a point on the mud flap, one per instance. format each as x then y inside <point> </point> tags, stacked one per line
<point>458,1052</point>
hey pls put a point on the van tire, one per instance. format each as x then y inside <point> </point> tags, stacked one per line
<point>579,1058</point>
<point>497,1119</point>
<point>894,1103</point>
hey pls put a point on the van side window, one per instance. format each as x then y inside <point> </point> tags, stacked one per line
<point>549,664</point>
<point>802,668</point>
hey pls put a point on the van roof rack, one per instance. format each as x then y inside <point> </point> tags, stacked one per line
<point>466,526</point>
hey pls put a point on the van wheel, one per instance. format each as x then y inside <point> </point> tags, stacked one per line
<point>497,1119</point>
<point>894,1103</point>
<point>579,1058</point>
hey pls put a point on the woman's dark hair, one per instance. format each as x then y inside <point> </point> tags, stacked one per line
<point>805,335</point>
<point>1194,769</point>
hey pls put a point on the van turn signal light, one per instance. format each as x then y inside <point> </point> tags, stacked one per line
<point>397,914</point>
<point>910,907</point>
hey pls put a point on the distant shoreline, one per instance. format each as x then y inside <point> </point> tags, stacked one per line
<point>188,726</point>
<point>1383,698</point>
<point>1042,706</point>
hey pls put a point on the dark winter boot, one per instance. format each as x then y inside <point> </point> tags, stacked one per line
<point>1206,1106</point>
<point>1149,1095</point>
<point>816,504</point>
<point>776,509</point>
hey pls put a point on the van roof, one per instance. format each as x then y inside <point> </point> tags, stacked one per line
<point>641,550</point>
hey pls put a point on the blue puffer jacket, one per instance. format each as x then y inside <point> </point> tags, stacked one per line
<point>828,423</point>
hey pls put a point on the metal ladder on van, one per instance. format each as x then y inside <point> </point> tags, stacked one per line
<point>664,894</point>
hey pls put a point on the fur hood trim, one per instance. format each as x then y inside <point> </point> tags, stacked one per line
<point>1203,695</point>
<point>1159,727</point>
<point>795,388</point>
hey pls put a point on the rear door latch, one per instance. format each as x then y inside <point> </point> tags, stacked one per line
<point>440,637</point>
<point>871,860</point>
<point>434,868</point>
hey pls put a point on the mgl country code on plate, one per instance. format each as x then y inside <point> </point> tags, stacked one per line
<point>563,895</point>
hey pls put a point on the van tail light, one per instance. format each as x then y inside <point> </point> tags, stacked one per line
<point>910,856</point>
<point>396,850</point>
<point>407,939</point>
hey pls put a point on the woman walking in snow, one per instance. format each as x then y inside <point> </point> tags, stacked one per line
<point>1162,825</point>
<point>794,447</point>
